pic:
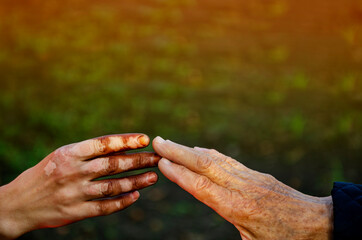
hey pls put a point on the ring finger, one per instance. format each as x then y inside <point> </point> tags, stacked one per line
<point>114,187</point>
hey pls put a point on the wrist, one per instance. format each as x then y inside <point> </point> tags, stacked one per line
<point>11,225</point>
<point>328,210</point>
<point>322,222</point>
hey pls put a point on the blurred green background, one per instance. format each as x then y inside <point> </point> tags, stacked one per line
<point>275,84</point>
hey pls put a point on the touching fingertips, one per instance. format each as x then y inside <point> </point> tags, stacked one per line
<point>166,168</point>
<point>159,140</point>
<point>164,163</point>
<point>159,145</point>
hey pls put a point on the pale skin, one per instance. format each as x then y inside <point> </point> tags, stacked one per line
<point>257,204</point>
<point>61,189</point>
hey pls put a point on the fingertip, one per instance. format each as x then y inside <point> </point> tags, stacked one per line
<point>158,140</point>
<point>152,178</point>
<point>135,195</point>
<point>156,158</point>
<point>164,162</point>
<point>166,167</point>
<point>158,145</point>
<point>144,140</point>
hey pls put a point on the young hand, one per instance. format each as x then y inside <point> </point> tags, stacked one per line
<point>61,189</point>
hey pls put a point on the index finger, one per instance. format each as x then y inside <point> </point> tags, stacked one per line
<point>192,159</point>
<point>106,144</point>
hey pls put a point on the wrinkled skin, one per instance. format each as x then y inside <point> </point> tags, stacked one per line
<point>257,204</point>
<point>61,189</point>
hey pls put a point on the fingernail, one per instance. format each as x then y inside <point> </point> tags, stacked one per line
<point>152,178</point>
<point>165,161</point>
<point>135,195</point>
<point>167,169</point>
<point>159,139</point>
<point>143,140</point>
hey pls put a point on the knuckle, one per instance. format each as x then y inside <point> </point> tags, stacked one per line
<point>99,145</point>
<point>213,151</point>
<point>58,152</point>
<point>125,141</point>
<point>203,162</point>
<point>183,173</point>
<point>111,165</point>
<point>138,160</point>
<point>108,189</point>
<point>136,182</point>
<point>60,155</point>
<point>122,203</point>
<point>125,202</point>
<point>62,151</point>
<point>202,183</point>
<point>268,178</point>
<point>228,159</point>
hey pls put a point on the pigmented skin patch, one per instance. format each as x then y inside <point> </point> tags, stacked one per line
<point>144,140</point>
<point>108,144</point>
<point>49,168</point>
<point>124,143</point>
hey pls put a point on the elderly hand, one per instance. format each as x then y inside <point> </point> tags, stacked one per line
<point>61,188</point>
<point>258,205</point>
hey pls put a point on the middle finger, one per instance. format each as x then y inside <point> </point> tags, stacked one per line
<point>112,165</point>
<point>193,160</point>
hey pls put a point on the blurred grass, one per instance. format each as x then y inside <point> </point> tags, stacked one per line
<point>274,84</point>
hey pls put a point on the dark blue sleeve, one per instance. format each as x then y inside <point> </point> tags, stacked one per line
<point>347,211</point>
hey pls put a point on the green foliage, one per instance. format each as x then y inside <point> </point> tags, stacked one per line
<point>270,83</point>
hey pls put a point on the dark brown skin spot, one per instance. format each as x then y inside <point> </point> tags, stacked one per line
<point>110,189</point>
<point>113,165</point>
<point>141,159</point>
<point>105,143</point>
<point>125,141</point>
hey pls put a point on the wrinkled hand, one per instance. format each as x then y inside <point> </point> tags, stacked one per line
<point>60,189</point>
<point>258,205</point>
